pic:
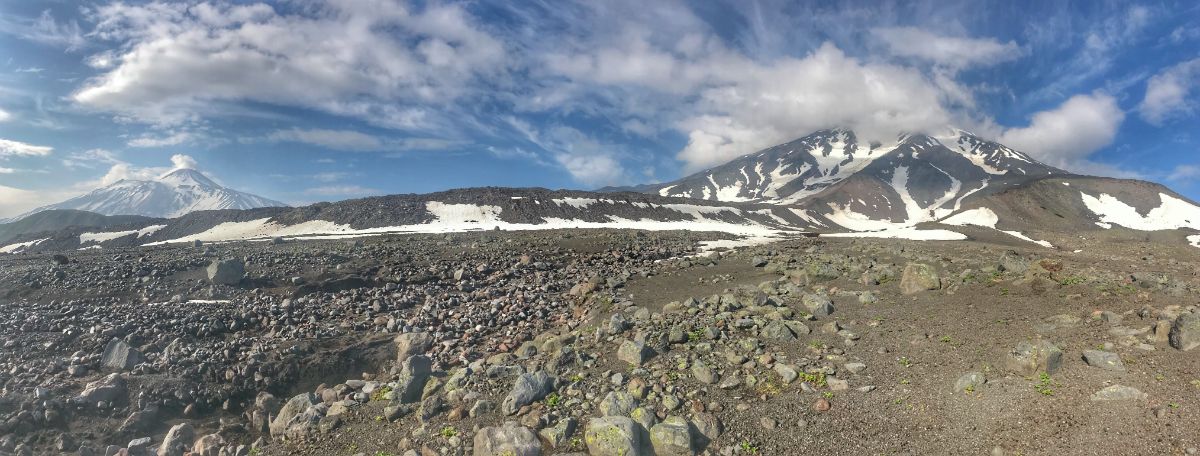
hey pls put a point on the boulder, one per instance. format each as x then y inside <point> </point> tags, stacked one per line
<point>107,389</point>
<point>672,437</point>
<point>1104,360</point>
<point>414,374</point>
<point>209,445</point>
<point>527,389</point>
<point>413,343</point>
<point>818,305</point>
<point>291,412</point>
<point>634,353</point>
<point>919,277</point>
<point>618,403</point>
<point>119,356</point>
<point>227,271</point>
<point>616,436</point>
<point>970,381</point>
<point>1118,393</point>
<point>1029,358</point>
<point>509,439</point>
<point>1185,333</point>
<point>178,440</point>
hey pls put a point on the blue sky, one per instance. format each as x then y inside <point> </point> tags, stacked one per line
<point>306,101</point>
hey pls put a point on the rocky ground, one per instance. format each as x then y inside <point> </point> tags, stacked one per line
<point>603,343</point>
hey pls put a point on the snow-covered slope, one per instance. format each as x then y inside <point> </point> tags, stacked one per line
<point>174,194</point>
<point>867,187</point>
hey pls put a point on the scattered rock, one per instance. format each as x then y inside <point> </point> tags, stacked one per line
<point>919,277</point>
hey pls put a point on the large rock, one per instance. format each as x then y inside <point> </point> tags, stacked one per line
<point>292,412</point>
<point>1104,360</point>
<point>919,277</point>
<point>618,403</point>
<point>414,343</point>
<point>616,436</point>
<point>414,374</point>
<point>633,352</point>
<point>209,445</point>
<point>509,439</point>
<point>226,272</point>
<point>527,389</point>
<point>818,304</point>
<point>1118,393</point>
<point>119,356</point>
<point>1185,333</point>
<point>178,440</point>
<point>672,437</point>
<point>1030,358</point>
<point>969,382</point>
<point>107,389</point>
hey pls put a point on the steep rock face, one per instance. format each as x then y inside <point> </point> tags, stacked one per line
<point>174,194</point>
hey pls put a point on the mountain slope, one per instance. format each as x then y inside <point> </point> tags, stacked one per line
<point>174,194</point>
<point>59,219</point>
<point>861,186</point>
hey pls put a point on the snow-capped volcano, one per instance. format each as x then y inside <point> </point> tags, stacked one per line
<point>831,174</point>
<point>173,194</point>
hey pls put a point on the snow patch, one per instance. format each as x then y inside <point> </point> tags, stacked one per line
<point>979,217</point>
<point>472,213</point>
<point>21,246</point>
<point>85,238</point>
<point>1194,240</point>
<point>1023,237</point>
<point>905,233</point>
<point>1173,213</point>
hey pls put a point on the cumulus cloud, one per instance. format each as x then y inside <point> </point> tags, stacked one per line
<point>4,170</point>
<point>948,51</point>
<point>1167,93</point>
<point>181,161</point>
<point>9,148</point>
<point>377,60</point>
<point>1066,135</point>
<point>5,116</point>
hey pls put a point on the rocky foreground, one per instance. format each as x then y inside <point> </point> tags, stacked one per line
<point>601,343</point>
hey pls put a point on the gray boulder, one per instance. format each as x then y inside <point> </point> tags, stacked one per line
<point>919,277</point>
<point>616,436</point>
<point>292,412</point>
<point>618,403</point>
<point>509,439</point>
<point>817,304</point>
<point>633,352</point>
<point>178,440</point>
<point>107,389</point>
<point>226,272</point>
<point>119,356</point>
<point>414,373</point>
<point>413,343</point>
<point>1185,333</point>
<point>1118,393</point>
<point>527,389</point>
<point>672,437</point>
<point>1029,358</point>
<point>1104,360</point>
<point>970,381</point>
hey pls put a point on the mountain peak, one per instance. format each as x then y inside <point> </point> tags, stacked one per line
<point>186,176</point>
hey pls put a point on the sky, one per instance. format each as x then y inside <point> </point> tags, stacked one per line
<point>304,101</point>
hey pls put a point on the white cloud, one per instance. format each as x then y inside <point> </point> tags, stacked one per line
<point>370,59</point>
<point>5,116</point>
<point>1167,93</point>
<point>4,170</point>
<point>1185,174</point>
<point>10,148</point>
<point>332,139</point>
<point>16,201</point>
<point>173,139</point>
<point>1066,135</point>
<point>948,51</point>
<point>181,161</point>
<point>45,29</point>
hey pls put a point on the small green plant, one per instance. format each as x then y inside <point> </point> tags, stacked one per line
<point>815,378</point>
<point>553,399</point>
<point>828,394</point>
<point>816,344</point>
<point>380,392</point>
<point>969,389</point>
<point>748,448</point>
<point>383,453</point>
<point>696,335</point>
<point>379,418</point>
<point>576,442</point>
<point>1173,405</point>
<point>256,451</point>
<point>448,432</point>
<point>1003,292</point>
<point>945,339</point>
<point>904,381</point>
<point>1044,385</point>
<point>1195,383</point>
<point>1072,280</point>
<point>904,361</point>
